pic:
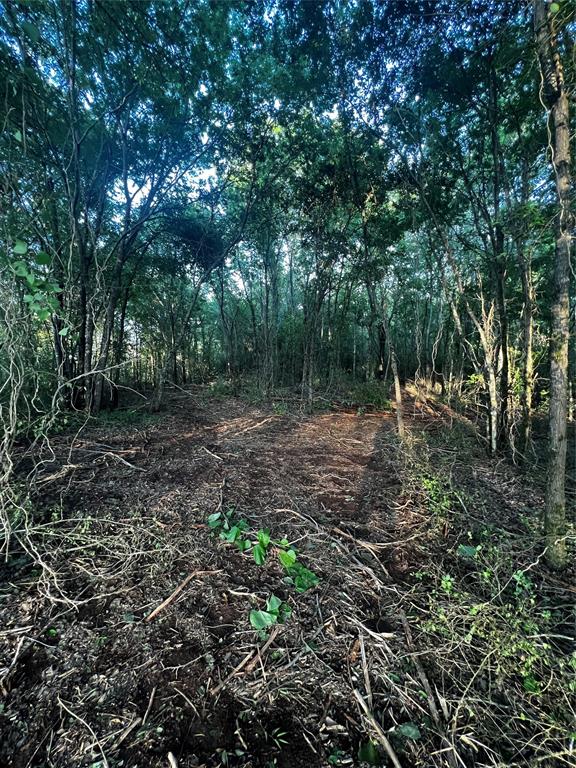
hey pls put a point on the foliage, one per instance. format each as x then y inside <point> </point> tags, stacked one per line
<point>229,528</point>
<point>301,577</point>
<point>276,611</point>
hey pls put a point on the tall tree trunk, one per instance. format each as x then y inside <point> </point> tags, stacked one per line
<point>381,311</point>
<point>395,375</point>
<point>106,341</point>
<point>555,97</point>
<point>500,276</point>
<point>528,354</point>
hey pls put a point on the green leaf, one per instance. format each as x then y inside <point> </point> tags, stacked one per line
<point>368,753</point>
<point>43,258</point>
<point>43,314</point>
<point>284,613</point>
<point>262,619</point>
<point>231,535</point>
<point>464,550</point>
<point>242,544</point>
<point>259,554</point>
<point>273,604</point>
<point>302,577</point>
<point>531,684</point>
<point>31,31</point>
<point>264,538</point>
<point>20,247</point>
<point>17,135</point>
<point>20,268</point>
<point>63,331</point>
<point>409,731</point>
<point>214,520</point>
<point>287,558</point>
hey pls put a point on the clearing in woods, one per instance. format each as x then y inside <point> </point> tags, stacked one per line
<point>404,653</point>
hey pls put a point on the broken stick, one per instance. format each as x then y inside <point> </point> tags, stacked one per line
<point>176,592</point>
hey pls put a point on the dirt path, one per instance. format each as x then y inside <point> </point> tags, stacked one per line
<point>299,476</point>
<point>89,681</point>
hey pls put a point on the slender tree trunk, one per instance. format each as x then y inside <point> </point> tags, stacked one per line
<point>395,376</point>
<point>528,356</point>
<point>105,344</point>
<point>492,407</point>
<point>382,312</point>
<point>309,353</point>
<point>555,96</point>
<point>119,347</point>
<point>500,274</point>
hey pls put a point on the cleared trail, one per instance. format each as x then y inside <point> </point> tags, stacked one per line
<point>135,643</point>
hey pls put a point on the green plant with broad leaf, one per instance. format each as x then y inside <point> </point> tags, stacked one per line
<point>301,577</point>
<point>41,295</point>
<point>230,528</point>
<point>297,574</point>
<point>277,612</point>
<point>260,547</point>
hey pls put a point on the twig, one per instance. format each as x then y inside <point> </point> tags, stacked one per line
<point>89,727</point>
<point>452,755</point>
<point>212,454</point>
<point>421,674</point>
<point>376,546</point>
<point>377,730</point>
<point>260,651</point>
<point>170,599</point>
<point>375,635</point>
<point>149,707</point>
<point>252,656</point>
<point>128,464</point>
<point>365,669</point>
<point>253,426</point>
<point>126,732</point>
<point>6,671</point>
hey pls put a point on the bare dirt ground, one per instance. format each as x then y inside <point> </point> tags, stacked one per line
<point>377,662</point>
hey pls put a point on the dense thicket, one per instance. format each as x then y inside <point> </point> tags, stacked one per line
<point>310,193</point>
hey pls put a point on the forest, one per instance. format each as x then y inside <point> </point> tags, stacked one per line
<point>287,384</point>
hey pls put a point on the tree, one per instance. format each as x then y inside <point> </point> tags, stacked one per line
<point>547,27</point>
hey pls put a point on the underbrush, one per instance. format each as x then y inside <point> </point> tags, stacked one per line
<point>127,417</point>
<point>374,394</point>
<point>492,626</point>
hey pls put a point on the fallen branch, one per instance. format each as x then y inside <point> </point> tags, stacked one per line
<point>375,547</point>
<point>452,755</point>
<point>253,426</point>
